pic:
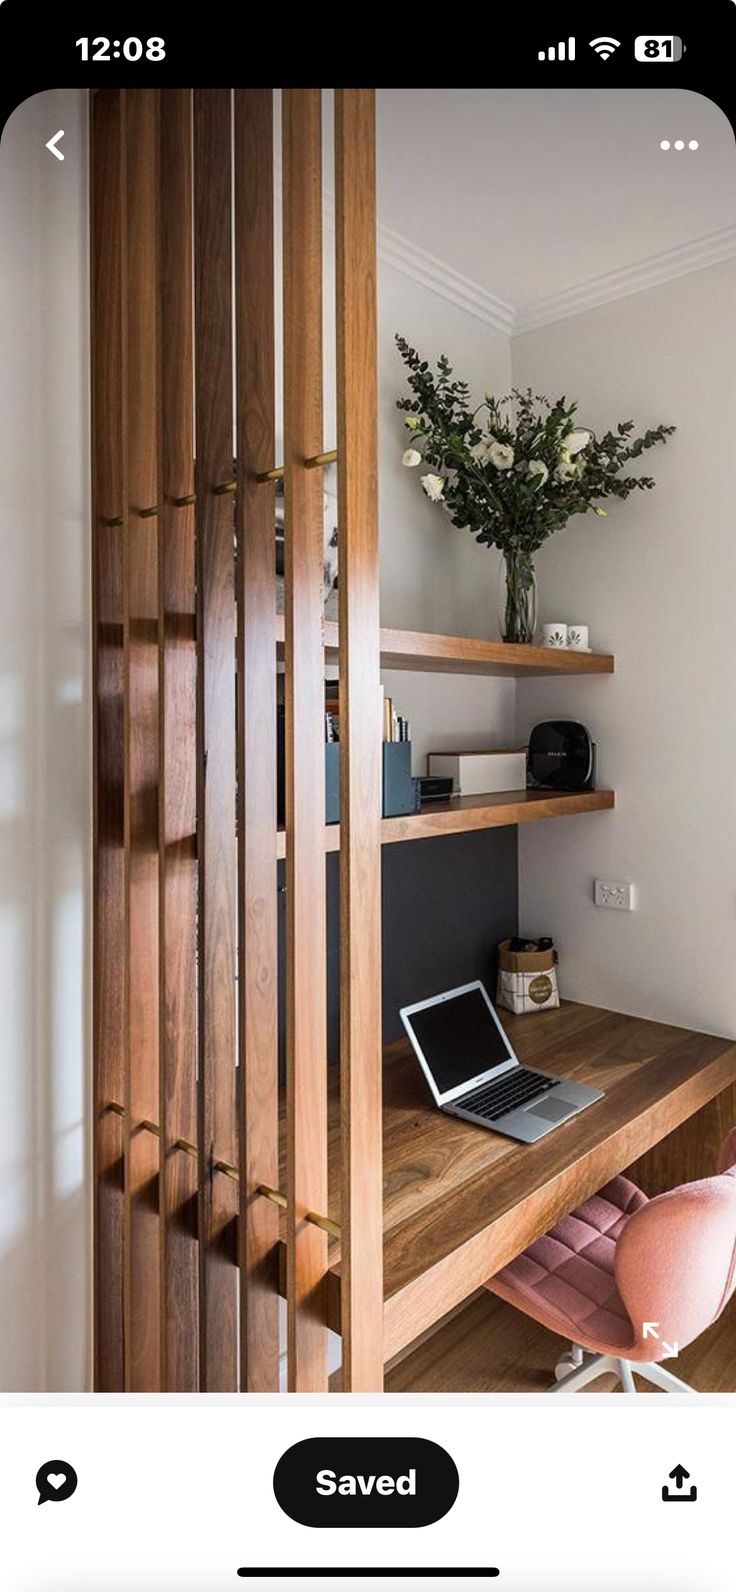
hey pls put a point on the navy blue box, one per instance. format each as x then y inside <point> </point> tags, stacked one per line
<point>399,789</point>
<point>332,782</point>
<point>401,793</point>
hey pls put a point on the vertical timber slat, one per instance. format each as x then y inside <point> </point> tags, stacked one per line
<point>305,758</point>
<point>141,749</point>
<point>217,1127</point>
<point>177,786</point>
<point>360,744</point>
<point>256,595</point>
<point>107,237</point>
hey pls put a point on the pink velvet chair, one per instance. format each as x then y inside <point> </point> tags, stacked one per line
<point>621,1260</point>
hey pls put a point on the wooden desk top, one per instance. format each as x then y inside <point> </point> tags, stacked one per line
<point>460,1201</point>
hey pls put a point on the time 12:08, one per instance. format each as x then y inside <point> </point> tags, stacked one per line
<point>130,49</point>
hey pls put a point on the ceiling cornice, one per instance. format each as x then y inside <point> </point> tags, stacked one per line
<point>404,256</point>
<point>396,250</point>
<point>653,272</point>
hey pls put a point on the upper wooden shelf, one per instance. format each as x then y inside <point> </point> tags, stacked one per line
<point>413,649</point>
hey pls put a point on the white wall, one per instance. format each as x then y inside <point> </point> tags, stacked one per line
<point>656,581</point>
<point>433,576</point>
<point>45,813</point>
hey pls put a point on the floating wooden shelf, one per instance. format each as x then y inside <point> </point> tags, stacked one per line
<point>464,813</point>
<point>411,649</point>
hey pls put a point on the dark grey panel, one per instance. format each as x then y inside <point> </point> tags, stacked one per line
<point>446,904</point>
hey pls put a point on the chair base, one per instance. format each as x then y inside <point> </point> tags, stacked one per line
<point>577,1368</point>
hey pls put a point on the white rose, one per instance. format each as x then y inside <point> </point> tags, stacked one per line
<point>413,423</point>
<point>538,469</point>
<point>576,441</point>
<point>433,485</point>
<point>501,455</point>
<point>566,471</point>
<point>411,458</point>
<point>479,451</point>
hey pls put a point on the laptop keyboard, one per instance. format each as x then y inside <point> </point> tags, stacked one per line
<point>516,1088</point>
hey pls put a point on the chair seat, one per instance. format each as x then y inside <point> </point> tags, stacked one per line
<point>565,1280</point>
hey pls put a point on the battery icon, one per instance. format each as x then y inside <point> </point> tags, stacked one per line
<point>658,47</point>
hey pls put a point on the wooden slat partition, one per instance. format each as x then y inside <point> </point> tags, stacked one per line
<point>217,1129</point>
<point>108,491</point>
<point>305,764</point>
<point>185,641</point>
<point>177,774</point>
<point>142,1271</point>
<point>360,744</point>
<point>256,596</point>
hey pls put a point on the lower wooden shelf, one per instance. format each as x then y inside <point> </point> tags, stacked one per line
<point>464,813</point>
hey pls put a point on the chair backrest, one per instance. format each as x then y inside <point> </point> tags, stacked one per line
<point>676,1258</point>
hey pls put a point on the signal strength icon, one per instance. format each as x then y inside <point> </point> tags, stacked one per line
<point>605,47</point>
<point>564,51</point>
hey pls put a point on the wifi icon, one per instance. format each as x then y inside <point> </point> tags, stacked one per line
<point>604,47</point>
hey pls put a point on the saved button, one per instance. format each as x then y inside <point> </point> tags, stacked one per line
<point>366,1481</point>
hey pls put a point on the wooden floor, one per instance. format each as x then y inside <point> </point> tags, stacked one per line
<point>487,1347</point>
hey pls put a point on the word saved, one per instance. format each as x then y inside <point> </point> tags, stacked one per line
<point>328,1482</point>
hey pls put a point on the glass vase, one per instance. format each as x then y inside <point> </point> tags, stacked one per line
<point>517,597</point>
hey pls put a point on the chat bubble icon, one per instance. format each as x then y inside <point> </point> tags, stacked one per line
<point>56,1481</point>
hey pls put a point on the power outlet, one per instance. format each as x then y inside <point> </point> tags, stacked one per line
<point>611,893</point>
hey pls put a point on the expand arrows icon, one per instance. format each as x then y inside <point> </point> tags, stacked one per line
<point>53,142</point>
<point>649,1330</point>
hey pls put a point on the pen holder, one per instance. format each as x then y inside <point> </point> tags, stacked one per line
<point>332,775</point>
<point>401,793</point>
<point>399,789</point>
<point>332,782</point>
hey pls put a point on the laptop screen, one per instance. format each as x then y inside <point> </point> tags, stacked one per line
<point>459,1039</point>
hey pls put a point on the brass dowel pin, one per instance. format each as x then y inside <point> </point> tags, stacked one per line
<point>115,1107</point>
<point>227,1170</point>
<point>183,502</point>
<point>189,1149</point>
<point>150,1127</point>
<point>324,1222</point>
<point>119,520</point>
<point>312,463</point>
<point>148,514</point>
<point>226,486</point>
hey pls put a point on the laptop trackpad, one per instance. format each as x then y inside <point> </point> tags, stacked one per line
<point>553,1110</point>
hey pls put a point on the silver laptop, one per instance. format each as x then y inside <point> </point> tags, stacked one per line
<point>473,1072</point>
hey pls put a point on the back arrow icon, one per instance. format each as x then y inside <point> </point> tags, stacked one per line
<point>53,142</point>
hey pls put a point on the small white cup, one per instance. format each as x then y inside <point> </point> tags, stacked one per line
<point>554,635</point>
<point>577,638</point>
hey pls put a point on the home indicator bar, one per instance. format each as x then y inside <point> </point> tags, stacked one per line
<point>373,1572</point>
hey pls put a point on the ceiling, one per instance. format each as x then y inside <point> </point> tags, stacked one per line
<point>528,194</point>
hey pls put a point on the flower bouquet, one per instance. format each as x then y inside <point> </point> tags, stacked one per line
<point>513,470</point>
